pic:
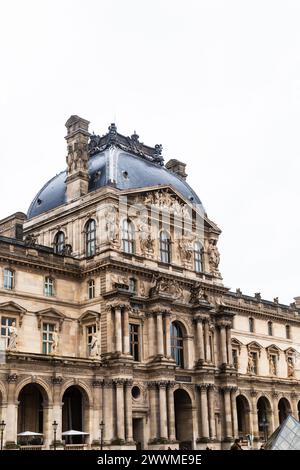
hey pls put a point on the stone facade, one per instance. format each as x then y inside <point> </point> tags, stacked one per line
<point>113,310</point>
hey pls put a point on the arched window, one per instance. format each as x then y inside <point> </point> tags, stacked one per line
<point>177,344</point>
<point>198,250</point>
<point>287,332</point>
<point>128,236</point>
<point>251,325</point>
<point>59,243</point>
<point>90,237</point>
<point>8,279</point>
<point>270,328</point>
<point>165,247</point>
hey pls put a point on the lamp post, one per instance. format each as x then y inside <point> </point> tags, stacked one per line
<point>101,434</point>
<point>2,427</point>
<point>55,426</point>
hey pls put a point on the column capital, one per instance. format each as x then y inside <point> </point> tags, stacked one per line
<point>128,383</point>
<point>152,385</point>
<point>294,395</point>
<point>171,384</point>
<point>202,386</point>
<point>97,383</point>
<point>211,387</point>
<point>117,304</point>
<point>224,323</point>
<point>253,393</point>
<point>275,394</point>
<point>107,383</point>
<point>226,389</point>
<point>162,383</point>
<point>119,382</point>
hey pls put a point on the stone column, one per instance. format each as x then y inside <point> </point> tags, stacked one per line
<point>200,339</point>
<point>48,428</point>
<point>206,341</point>
<point>229,346</point>
<point>204,412</point>
<point>120,408</point>
<point>227,412</point>
<point>234,412</point>
<point>126,330</point>
<point>96,412</point>
<point>254,420</point>
<point>159,334</point>
<point>109,329</point>
<point>151,335</point>
<point>223,344</point>
<point>211,411</point>
<point>294,405</point>
<point>12,409</point>
<point>163,410</point>
<point>118,329</point>
<point>275,412</point>
<point>107,410</point>
<point>167,329</point>
<point>128,410</point>
<point>171,411</point>
<point>57,407</point>
<point>152,410</point>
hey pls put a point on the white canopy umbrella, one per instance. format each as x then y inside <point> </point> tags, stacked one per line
<point>72,432</point>
<point>29,434</point>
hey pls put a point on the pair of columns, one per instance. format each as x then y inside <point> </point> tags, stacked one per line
<point>204,350</point>
<point>225,342</point>
<point>230,412</point>
<point>119,314</point>
<point>161,397</point>
<point>207,411</point>
<point>156,330</point>
<point>123,412</point>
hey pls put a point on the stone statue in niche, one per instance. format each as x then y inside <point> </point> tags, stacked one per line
<point>111,218</point>
<point>291,367</point>
<point>250,368</point>
<point>13,337</point>
<point>55,340</point>
<point>94,350</point>
<point>272,367</point>
<point>186,249</point>
<point>146,240</point>
<point>213,257</point>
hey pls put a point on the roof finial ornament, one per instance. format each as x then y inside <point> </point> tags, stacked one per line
<point>112,132</point>
<point>135,136</point>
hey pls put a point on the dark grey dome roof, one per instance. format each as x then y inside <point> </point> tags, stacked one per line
<point>130,172</point>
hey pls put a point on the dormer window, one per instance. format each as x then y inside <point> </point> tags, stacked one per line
<point>59,243</point>
<point>49,286</point>
<point>90,238</point>
<point>8,279</point>
<point>165,247</point>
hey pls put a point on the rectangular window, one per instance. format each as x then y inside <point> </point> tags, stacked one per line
<point>49,287</point>
<point>48,329</point>
<point>6,322</point>
<point>8,279</point>
<point>91,289</point>
<point>90,331</point>
<point>134,341</point>
<point>235,358</point>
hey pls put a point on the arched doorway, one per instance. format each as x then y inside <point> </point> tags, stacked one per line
<point>32,400</point>
<point>243,416</point>
<point>75,414</point>
<point>284,409</point>
<point>183,419</point>
<point>264,413</point>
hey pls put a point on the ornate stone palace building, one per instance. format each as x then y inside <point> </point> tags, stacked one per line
<point>113,310</point>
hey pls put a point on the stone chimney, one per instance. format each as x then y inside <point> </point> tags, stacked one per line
<point>177,167</point>
<point>77,159</point>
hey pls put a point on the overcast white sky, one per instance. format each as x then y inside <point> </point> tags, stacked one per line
<point>217,83</point>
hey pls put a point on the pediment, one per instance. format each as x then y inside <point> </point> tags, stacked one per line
<point>290,352</point>
<point>254,345</point>
<point>13,308</point>
<point>273,349</point>
<point>89,315</point>
<point>50,314</point>
<point>236,343</point>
